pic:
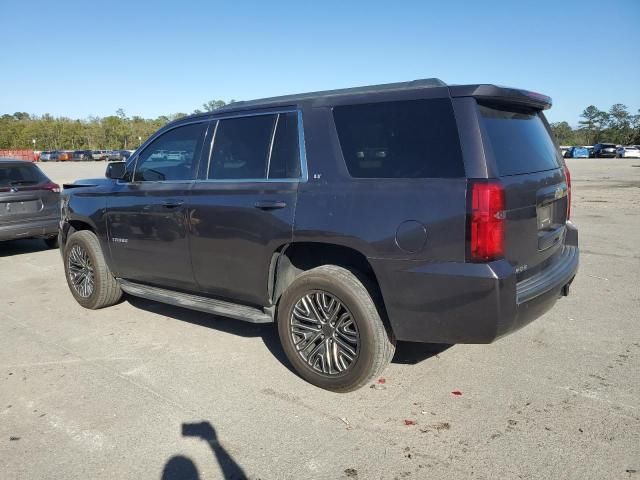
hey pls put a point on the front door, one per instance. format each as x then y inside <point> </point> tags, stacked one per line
<point>147,215</point>
<point>242,208</point>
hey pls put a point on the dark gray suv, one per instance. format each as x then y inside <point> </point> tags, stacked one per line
<point>352,218</point>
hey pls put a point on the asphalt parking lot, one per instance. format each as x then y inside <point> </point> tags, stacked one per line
<point>143,390</point>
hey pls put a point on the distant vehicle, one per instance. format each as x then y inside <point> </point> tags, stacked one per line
<point>176,155</point>
<point>604,150</point>
<point>65,156</point>
<point>49,156</point>
<point>82,155</point>
<point>29,203</point>
<point>563,149</point>
<point>577,152</point>
<point>119,155</point>
<point>632,151</point>
<point>100,154</point>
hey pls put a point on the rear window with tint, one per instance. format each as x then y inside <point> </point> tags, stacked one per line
<point>15,175</point>
<point>519,140</point>
<point>407,139</point>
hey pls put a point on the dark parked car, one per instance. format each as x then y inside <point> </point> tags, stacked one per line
<point>604,150</point>
<point>353,218</point>
<point>119,155</point>
<point>29,203</point>
<point>577,152</point>
<point>82,155</point>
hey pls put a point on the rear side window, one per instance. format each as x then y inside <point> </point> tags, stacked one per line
<point>407,139</point>
<point>15,175</point>
<point>519,140</point>
<point>241,147</point>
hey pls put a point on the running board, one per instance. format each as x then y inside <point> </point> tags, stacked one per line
<point>195,302</point>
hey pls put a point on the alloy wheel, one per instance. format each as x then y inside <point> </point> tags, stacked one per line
<point>81,272</point>
<point>324,333</point>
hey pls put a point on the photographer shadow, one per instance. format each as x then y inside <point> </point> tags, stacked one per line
<point>180,467</point>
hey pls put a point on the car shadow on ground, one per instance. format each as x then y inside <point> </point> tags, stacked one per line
<point>180,467</point>
<point>407,353</point>
<point>11,248</point>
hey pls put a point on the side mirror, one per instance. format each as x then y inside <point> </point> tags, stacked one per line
<point>116,170</point>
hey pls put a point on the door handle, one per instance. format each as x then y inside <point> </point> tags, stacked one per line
<point>172,203</point>
<point>269,205</point>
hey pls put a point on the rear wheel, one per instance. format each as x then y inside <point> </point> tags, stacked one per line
<point>331,330</point>
<point>87,273</point>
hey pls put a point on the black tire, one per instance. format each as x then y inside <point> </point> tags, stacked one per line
<point>52,242</point>
<point>376,344</point>
<point>106,291</point>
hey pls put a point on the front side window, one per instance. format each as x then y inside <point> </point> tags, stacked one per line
<point>403,139</point>
<point>172,156</point>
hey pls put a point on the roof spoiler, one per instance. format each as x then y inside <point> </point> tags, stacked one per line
<point>503,95</point>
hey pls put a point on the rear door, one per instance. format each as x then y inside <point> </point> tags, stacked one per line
<point>242,208</point>
<point>26,194</point>
<point>522,153</point>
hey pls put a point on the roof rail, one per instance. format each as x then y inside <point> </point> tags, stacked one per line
<point>414,84</point>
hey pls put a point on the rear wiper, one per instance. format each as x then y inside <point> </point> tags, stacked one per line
<point>23,182</point>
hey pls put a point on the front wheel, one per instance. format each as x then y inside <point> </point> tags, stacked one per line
<point>87,273</point>
<point>331,330</point>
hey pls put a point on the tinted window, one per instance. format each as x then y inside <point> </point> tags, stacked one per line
<point>171,156</point>
<point>285,158</point>
<point>14,175</point>
<point>519,140</point>
<point>409,139</point>
<point>241,147</point>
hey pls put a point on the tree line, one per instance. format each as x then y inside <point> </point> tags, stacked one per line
<point>119,131</point>
<point>617,125</point>
<point>113,132</point>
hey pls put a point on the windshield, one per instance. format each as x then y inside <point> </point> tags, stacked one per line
<point>520,141</point>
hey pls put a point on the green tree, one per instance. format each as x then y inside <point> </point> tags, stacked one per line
<point>563,132</point>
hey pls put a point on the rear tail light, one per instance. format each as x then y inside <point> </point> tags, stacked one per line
<point>567,176</point>
<point>486,221</point>
<point>53,187</point>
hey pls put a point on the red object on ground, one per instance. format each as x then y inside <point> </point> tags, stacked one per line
<point>382,380</point>
<point>409,422</point>
<point>27,155</point>
<point>457,393</point>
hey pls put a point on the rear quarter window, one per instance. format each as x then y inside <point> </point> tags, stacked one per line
<point>405,139</point>
<point>520,141</point>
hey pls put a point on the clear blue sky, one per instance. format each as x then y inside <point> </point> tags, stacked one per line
<point>81,58</point>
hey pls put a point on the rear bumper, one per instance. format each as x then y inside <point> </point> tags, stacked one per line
<point>470,303</point>
<point>44,227</point>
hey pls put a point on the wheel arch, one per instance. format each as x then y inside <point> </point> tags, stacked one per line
<point>292,259</point>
